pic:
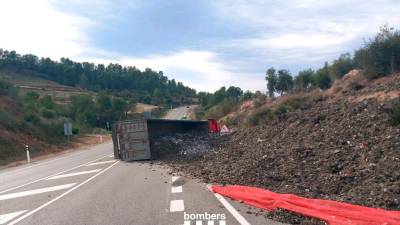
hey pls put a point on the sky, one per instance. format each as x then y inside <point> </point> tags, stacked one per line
<point>205,44</point>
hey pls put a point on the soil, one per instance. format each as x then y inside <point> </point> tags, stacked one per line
<point>335,149</point>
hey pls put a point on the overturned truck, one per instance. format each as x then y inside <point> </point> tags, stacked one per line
<point>132,138</point>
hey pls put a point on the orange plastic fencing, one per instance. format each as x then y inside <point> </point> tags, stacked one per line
<point>332,212</point>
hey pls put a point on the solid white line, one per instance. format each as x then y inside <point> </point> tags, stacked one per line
<point>175,178</point>
<point>73,174</point>
<point>44,178</point>
<point>73,154</point>
<point>176,206</point>
<point>230,208</point>
<point>36,191</point>
<point>101,163</point>
<point>60,196</point>
<point>176,189</point>
<point>9,216</point>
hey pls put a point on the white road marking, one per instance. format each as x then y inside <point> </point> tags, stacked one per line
<point>175,178</point>
<point>79,152</point>
<point>186,222</point>
<point>176,189</point>
<point>176,206</point>
<point>73,174</point>
<point>199,222</point>
<point>44,178</point>
<point>36,191</point>
<point>100,163</point>
<point>212,222</point>
<point>230,208</point>
<point>222,222</point>
<point>9,216</point>
<point>60,196</point>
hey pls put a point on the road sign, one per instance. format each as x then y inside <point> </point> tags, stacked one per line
<point>67,129</point>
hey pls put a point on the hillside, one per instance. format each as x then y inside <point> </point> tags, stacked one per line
<point>341,144</point>
<point>60,93</point>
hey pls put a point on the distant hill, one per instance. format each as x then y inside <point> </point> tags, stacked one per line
<point>60,93</point>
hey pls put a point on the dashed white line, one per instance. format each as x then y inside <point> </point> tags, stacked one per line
<point>101,163</point>
<point>176,206</point>
<point>176,189</point>
<point>9,216</point>
<point>36,191</point>
<point>175,178</point>
<point>73,174</point>
<point>230,208</point>
<point>60,196</point>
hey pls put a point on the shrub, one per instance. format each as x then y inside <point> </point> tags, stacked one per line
<point>32,118</point>
<point>301,100</point>
<point>7,120</point>
<point>395,114</point>
<point>47,113</point>
<point>381,55</point>
<point>281,110</point>
<point>261,116</point>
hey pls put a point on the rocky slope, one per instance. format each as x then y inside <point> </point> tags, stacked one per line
<point>339,146</point>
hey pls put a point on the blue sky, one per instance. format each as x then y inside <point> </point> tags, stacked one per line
<point>205,44</point>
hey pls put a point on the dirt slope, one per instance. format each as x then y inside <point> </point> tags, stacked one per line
<point>340,146</point>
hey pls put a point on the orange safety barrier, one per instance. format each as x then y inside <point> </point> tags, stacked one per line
<point>335,213</point>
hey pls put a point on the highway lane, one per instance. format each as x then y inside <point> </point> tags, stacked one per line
<point>96,189</point>
<point>179,112</point>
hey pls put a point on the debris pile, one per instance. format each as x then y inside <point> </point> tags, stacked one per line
<point>341,150</point>
<point>180,145</point>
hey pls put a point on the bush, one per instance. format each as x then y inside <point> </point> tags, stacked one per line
<point>381,55</point>
<point>47,113</point>
<point>261,116</point>
<point>301,100</point>
<point>32,118</point>
<point>395,114</point>
<point>281,110</point>
<point>75,130</point>
<point>7,120</point>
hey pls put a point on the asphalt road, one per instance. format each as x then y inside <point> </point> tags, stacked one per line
<point>179,112</point>
<point>90,187</point>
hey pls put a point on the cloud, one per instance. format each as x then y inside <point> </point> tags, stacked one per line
<point>36,27</point>
<point>198,69</point>
<point>233,43</point>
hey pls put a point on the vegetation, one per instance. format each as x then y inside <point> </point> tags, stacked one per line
<point>378,57</point>
<point>221,102</point>
<point>145,86</point>
<point>395,114</point>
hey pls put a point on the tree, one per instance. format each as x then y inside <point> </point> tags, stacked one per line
<point>381,55</point>
<point>272,80</point>
<point>285,81</point>
<point>234,92</point>
<point>341,66</point>
<point>304,79</point>
<point>47,102</point>
<point>322,78</point>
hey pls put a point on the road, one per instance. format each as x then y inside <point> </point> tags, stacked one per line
<point>179,112</point>
<point>90,187</point>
